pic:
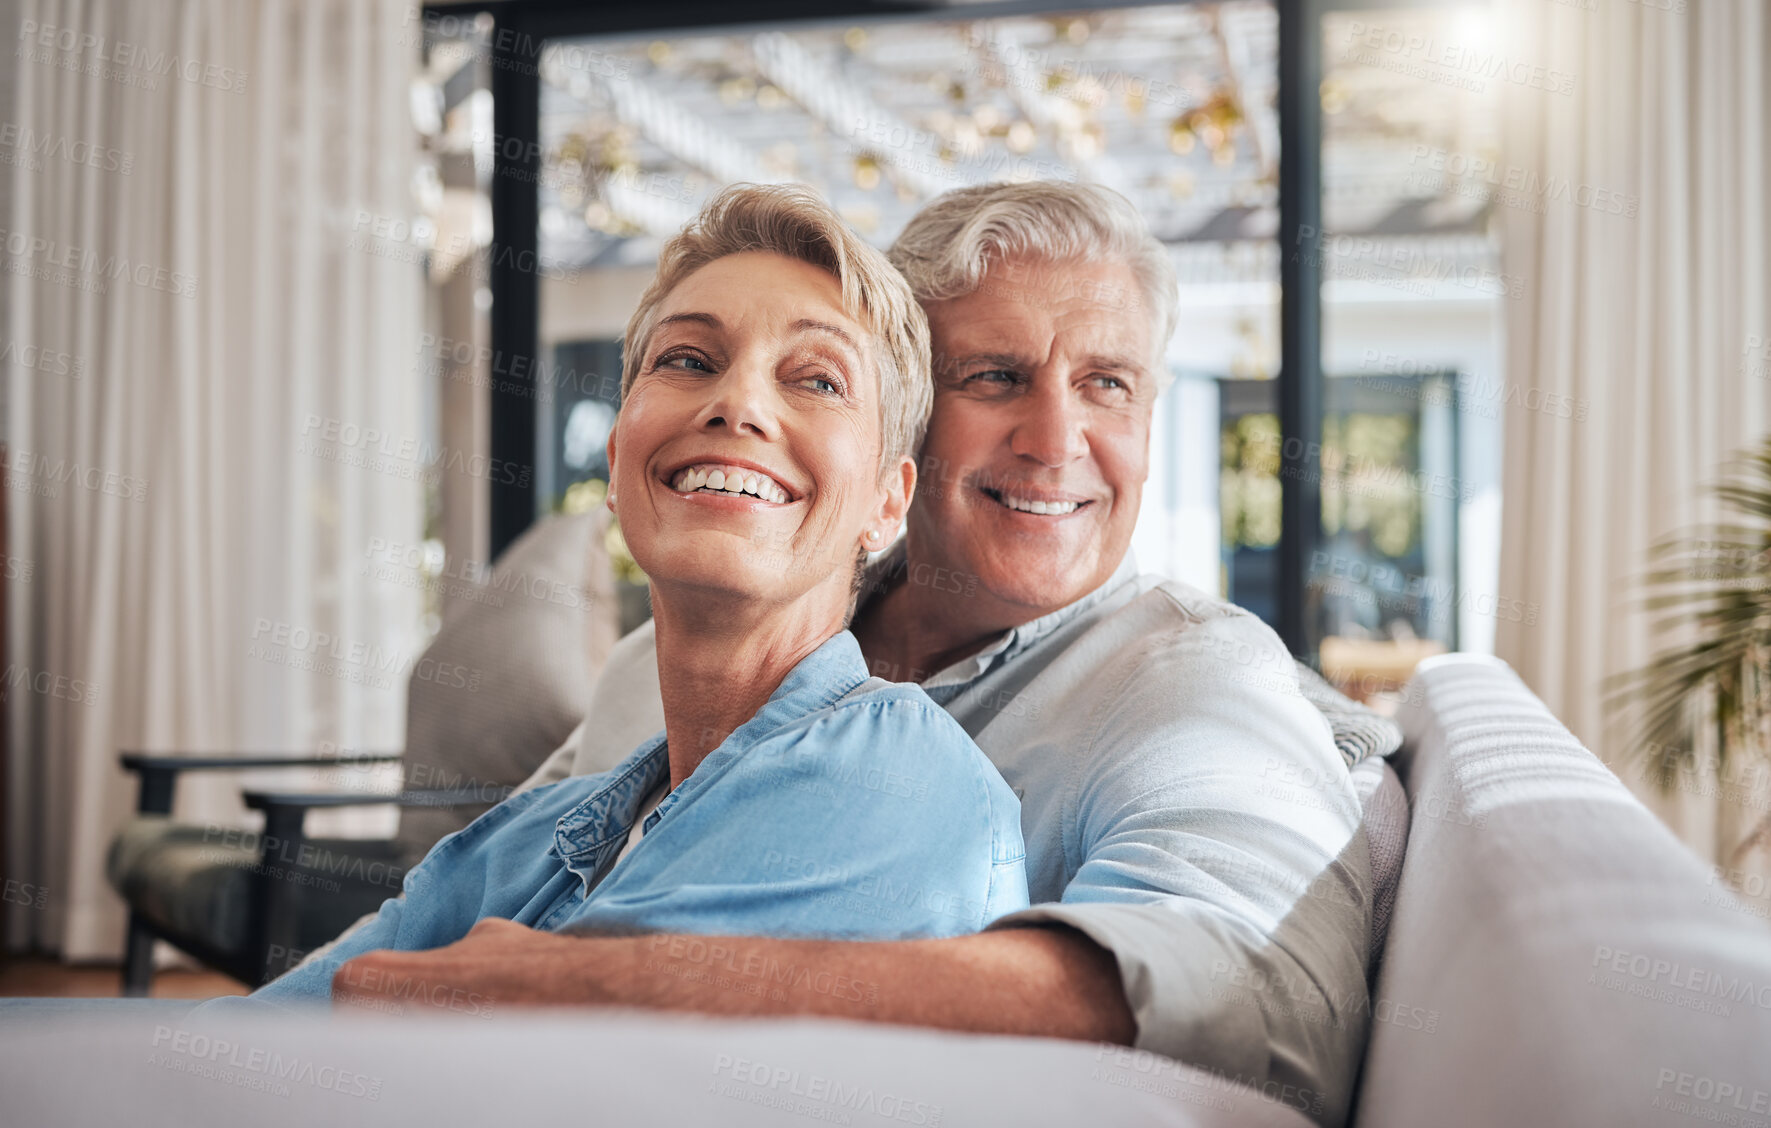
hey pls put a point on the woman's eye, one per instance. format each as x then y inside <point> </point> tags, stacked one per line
<point>688,361</point>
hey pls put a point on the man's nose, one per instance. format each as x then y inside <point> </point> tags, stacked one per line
<point>1051,427</point>
<point>741,399</point>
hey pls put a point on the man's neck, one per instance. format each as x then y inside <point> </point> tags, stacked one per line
<point>912,631</point>
<point>717,666</point>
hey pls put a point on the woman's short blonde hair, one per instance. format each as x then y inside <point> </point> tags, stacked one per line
<point>791,220</point>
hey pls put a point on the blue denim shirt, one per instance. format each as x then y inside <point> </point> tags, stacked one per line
<point>846,808</point>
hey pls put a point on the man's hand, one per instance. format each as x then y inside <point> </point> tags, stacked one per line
<point>498,962</point>
<point>1051,982</point>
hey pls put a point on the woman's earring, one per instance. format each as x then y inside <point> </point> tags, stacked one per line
<point>873,534</point>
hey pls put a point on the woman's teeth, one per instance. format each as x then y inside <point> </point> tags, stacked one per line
<point>729,480</point>
<point>1042,508</point>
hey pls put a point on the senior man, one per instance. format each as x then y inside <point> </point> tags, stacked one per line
<point>1190,825</point>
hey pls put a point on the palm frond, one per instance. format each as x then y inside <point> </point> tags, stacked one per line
<point>1715,579</point>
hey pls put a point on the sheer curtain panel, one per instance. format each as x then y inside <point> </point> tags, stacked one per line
<point>212,383</point>
<point>1634,196</point>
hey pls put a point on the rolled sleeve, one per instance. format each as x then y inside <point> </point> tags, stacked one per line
<point>1213,838</point>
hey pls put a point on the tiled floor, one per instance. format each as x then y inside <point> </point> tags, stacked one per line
<point>38,975</point>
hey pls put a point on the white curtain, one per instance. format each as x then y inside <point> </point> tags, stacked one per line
<point>1647,137</point>
<point>221,388</point>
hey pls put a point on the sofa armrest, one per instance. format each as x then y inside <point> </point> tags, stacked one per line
<point>1556,955</point>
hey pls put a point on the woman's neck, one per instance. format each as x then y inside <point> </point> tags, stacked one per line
<point>720,659</point>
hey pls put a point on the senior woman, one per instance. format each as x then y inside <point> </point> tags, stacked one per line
<point>775,381</point>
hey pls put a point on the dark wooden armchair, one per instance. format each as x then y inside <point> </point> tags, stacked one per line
<point>250,903</point>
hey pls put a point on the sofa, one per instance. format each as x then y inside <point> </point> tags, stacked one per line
<point>1552,956</point>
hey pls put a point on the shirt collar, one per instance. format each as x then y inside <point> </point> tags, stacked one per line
<point>818,680</point>
<point>888,571</point>
<point>584,833</point>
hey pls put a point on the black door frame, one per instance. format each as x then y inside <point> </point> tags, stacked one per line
<point>523,26</point>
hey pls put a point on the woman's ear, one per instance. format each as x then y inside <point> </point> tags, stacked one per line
<point>897,487</point>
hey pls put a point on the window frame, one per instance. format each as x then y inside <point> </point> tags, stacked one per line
<point>524,26</point>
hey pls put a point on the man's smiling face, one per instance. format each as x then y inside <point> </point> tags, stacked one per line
<point>1039,445</point>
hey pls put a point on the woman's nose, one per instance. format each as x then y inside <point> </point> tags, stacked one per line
<point>742,400</point>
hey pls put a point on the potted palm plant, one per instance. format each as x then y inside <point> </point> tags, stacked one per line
<point>1713,690</point>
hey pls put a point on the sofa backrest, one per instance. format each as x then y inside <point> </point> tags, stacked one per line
<point>1556,955</point>
<point>512,669</point>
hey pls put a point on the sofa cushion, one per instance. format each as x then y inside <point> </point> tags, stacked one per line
<point>1359,733</point>
<point>183,885</point>
<point>1385,806</point>
<point>103,1066</point>
<point>529,642</point>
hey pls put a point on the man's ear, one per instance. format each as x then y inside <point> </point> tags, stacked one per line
<point>1149,430</point>
<point>897,488</point>
<point>610,499</point>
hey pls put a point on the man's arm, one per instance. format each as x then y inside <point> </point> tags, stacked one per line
<point>1221,861</point>
<point>1049,982</point>
<point>768,854</point>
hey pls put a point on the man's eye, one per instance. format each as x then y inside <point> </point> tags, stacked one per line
<point>1109,382</point>
<point>994,376</point>
<point>824,384</point>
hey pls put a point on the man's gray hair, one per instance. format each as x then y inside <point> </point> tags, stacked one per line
<point>948,246</point>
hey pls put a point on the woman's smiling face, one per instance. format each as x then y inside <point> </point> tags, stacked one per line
<point>746,458</point>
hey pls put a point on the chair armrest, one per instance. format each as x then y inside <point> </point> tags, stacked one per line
<point>159,773</point>
<point>146,761</point>
<point>277,911</point>
<point>286,811</point>
<point>305,800</point>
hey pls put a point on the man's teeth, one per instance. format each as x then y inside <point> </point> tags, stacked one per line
<point>729,480</point>
<point>1042,508</point>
